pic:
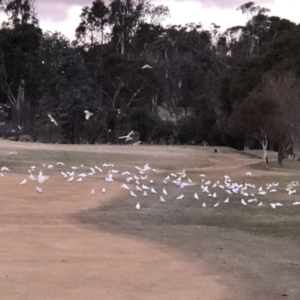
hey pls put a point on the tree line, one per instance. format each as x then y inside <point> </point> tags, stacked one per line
<point>176,84</point>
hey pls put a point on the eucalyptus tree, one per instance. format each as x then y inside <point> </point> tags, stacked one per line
<point>68,90</point>
<point>94,22</point>
<point>19,70</point>
<point>20,11</point>
<point>258,117</point>
<point>127,15</point>
<point>256,27</point>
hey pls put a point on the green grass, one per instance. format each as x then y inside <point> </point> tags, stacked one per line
<point>288,165</point>
<point>20,162</point>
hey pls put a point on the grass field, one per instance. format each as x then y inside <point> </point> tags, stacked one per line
<point>185,224</point>
<point>281,222</point>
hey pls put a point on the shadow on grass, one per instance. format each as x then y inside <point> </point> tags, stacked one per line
<point>288,165</point>
<point>120,216</point>
<point>280,229</point>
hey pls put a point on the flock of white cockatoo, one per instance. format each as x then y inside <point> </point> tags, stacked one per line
<point>88,114</point>
<point>138,183</point>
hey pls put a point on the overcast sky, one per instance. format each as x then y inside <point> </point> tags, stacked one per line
<point>63,15</point>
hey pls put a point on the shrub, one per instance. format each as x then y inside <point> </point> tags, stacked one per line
<point>25,138</point>
<point>164,132</point>
<point>143,122</point>
<point>187,130</point>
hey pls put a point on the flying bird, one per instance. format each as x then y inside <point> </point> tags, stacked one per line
<point>127,137</point>
<point>87,114</point>
<point>52,120</point>
<point>147,67</point>
<point>42,178</point>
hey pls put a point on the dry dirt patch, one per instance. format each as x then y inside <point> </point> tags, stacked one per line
<point>46,254</point>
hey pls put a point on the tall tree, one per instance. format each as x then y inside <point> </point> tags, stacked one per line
<point>256,26</point>
<point>19,70</point>
<point>94,21</point>
<point>20,11</point>
<point>256,117</point>
<point>126,16</point>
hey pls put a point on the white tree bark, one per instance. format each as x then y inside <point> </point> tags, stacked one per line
<point>264,143</point>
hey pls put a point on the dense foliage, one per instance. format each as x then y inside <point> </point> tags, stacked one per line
<point>176,84</point>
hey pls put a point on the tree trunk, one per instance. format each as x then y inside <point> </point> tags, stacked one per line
<point>281,152</point>
<point>263,140</point>
<point>264,144</point>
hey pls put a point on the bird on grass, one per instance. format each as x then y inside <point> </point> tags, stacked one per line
<point>132,194</point>
<point>39,190</point>
<point>162,200</point>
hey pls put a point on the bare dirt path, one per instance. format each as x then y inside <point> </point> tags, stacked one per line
<point>46,254</point>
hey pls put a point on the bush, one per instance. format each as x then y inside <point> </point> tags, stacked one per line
<point>187,130</point>
<point>11,138</point>
<point>25,138</point>
<point>164,132</point>
<point>143,122</point>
